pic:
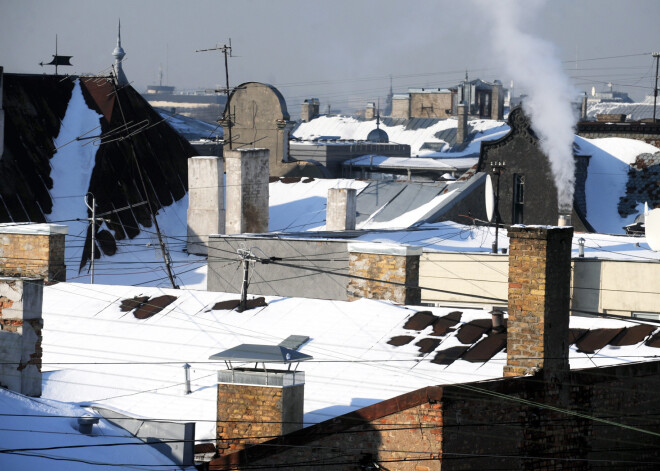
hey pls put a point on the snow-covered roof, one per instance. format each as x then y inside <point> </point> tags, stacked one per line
<point>97,350</point>
<point>33,427</point>
<point>414,132</point>
<point>607,178</point>
<point>633,111</point>
<point>413,163</point>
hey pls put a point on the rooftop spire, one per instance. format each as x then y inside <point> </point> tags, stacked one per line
<point>119,54</point>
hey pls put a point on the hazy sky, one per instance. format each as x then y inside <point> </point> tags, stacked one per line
<point>336,50</point>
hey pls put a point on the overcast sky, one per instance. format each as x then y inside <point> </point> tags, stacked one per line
<point>337,50</point>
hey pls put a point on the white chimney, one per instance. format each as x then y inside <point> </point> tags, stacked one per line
<point>341,209</point>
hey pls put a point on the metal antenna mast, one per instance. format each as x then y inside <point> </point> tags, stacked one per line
<point>226,50</point>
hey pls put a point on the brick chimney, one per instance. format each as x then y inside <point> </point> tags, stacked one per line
<point>256,404</point>
<point>370,262</point>
<point>33,250</point>
<point>20,334</point>
<point>206,201</point>
<point>539,299</point>
<point>341,209</point>
<point>247,191</point>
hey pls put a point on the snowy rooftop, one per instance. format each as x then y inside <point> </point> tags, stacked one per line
<point>111,345</point>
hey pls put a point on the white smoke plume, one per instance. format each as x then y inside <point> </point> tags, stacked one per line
<point>534,65</point>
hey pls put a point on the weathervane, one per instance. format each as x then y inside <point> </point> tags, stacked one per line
<point>57,59</point>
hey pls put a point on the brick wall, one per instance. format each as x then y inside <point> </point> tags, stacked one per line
<point>397,265</point>
<point>33,250</point>
<point>250,414</point>
<point>390,433</point>
<point>21,335</point>
<point>598,418</point>
<point>643,185</point>
<point>539,299</point>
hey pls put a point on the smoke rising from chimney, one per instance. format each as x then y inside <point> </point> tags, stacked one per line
<point>534,65</point>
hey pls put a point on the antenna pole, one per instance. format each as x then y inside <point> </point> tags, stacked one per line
<point>226,50</point>
<point>498,168</point>
<point>655,90</point>
<point>56,54</point>
<point>93,222</point>
<point>246,256</point>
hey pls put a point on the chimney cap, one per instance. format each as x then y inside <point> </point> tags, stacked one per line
<point>254,353</point>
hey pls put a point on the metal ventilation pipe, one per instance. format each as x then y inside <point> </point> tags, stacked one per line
<point>86,423</point>
<point>498,320</point>
<point>186,368</point>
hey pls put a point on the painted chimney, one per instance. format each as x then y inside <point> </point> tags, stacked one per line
<point>20,334</point>
<point>256,404</point>
<point>372,265</point>
<point>247,191</point>
<point>2,116</point>
<point>309,110</point>
<point>206,201</point>
<point>539,299</point>
<point>341,210</point>
<point>462,130</point>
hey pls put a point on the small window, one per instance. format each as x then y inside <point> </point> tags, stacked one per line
<point>518,198</point>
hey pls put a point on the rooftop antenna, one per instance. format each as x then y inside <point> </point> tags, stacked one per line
<point>227,51</point>
<point>57,59</point>
<point>160,75</point>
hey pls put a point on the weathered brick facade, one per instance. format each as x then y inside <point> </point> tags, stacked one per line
<point>249,414</point>
<point>647,132</point>
<point>539,299</point>
<point>396,266</point>
<point>33,250</point>
<point>21,327</point>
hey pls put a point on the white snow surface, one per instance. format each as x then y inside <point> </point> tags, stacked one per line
<point>606,179</point>
<point>94,353</point>
<point>350,128</point>
<point>31,425</point>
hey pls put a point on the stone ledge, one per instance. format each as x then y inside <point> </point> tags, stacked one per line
<point>34,229</point>
<point>384,249</point>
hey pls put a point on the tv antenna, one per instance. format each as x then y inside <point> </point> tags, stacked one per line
<point>227,51</point>
<point>57,59</point>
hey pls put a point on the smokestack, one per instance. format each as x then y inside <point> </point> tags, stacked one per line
<point>583,107</point>
<point>497,101</point>
<point>341,209</point>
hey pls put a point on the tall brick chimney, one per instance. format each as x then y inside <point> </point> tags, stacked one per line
<point>247,190</point>
<point>539,299</point>
<point>206,201</point>
<point>341,209</point>
<point>256,404</point>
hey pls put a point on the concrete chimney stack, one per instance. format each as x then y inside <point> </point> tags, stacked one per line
<point>462,131</point>
<point>247,191</point>
<point>539,299</point>
<point>341,210</point>
<point>370,111</point>
<point>309,110</point>
<point>206,201</point>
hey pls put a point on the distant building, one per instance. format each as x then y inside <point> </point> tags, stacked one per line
<point>199,104</point>
<point>484,100</point>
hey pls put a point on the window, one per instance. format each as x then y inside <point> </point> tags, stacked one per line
<point>518,198</point>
